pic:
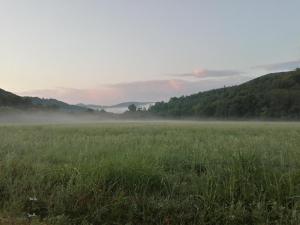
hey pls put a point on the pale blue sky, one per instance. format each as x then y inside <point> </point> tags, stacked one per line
<point>99,50</point>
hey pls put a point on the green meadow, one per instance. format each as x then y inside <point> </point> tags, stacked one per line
<point>135,173</point>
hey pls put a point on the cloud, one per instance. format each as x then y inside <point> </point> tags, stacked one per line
<point>152,90</point>
<point>205,73</point>
<point>289,65</point>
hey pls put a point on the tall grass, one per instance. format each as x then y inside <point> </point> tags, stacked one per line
<point>162,173</point>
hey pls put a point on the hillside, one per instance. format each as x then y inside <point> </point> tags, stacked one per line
<point>54,104</point>
<point>8,99</point>
<point>275,95</point>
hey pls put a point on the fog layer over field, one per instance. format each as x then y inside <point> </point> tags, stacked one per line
<point>52,117</point>
<point>56,117</point>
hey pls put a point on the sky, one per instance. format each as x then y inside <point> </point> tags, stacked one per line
<point>110,51</point>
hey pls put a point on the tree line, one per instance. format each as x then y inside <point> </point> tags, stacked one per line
<point>275,95</point>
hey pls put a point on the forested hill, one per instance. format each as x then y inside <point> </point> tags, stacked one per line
<point>8,99</point>
<point>275,95</point>
<point>54,104</point>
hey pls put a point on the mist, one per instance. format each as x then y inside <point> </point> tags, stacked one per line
<point>45,117</point>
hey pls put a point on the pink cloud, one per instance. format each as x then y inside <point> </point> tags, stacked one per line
<point>289,65</point>
<point>199,72</point>
<point>153,90</point>
<point>207,73</point>
<point>176,85</point>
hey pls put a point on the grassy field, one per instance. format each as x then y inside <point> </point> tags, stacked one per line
<point>153,173</point>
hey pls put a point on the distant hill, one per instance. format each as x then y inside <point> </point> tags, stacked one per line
<point>275,95</point>
<point>123,104</point>
<point>126,104</point>
<point>8,99</point>
<point>118,108</point>
<point>54,104</point>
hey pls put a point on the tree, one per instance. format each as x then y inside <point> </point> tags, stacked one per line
<point>132,108</point>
